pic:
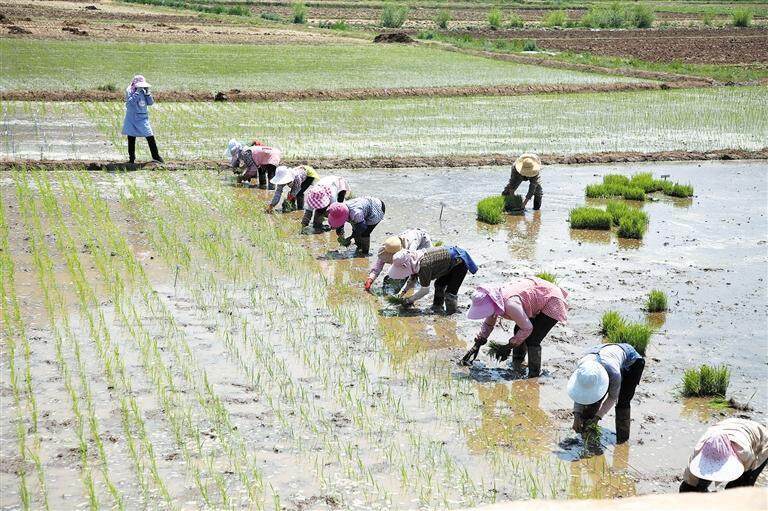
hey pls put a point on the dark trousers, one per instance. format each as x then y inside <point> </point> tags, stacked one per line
<point>516,179</point>
<point>542,324</point>
<point>132,148</point>
<point>452,280</point>
<point>748,478</point>
<point>266,173</point>
<point>300,195</point>
<point>361,231</point>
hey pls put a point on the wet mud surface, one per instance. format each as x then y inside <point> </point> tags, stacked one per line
<point>717,311</point>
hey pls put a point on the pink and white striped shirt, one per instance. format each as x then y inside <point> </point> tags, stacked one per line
<point>526,299</point>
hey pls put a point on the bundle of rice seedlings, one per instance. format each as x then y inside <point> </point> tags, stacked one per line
<point>513,204</point>
<point>615,190</point>
<point>491,209</point>
<point>632,224</point>
<point>657,301</point>
<point>611,321</point>
<point>645,181</point>
<point>549,277</point>
<point>590,218</point>
<point>498,351</point>
<point>615,179</point>
<point>637,335</point>
<point>706,381</point>
<point>678,190</point>
<point>396,300</point>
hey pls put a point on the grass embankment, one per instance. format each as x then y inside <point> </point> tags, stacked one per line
<point>51,65</point>
<point>561,124</point>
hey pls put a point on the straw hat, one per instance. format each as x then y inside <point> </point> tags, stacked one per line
<point>486,302</point>
<point>528,165</point>
<point>588,383</point>
<point>338,213</point>
<point>283,176</point>
<point>142,83</point>
<point>318,196</point>
<point>716,461</point>
<point>392,245</point>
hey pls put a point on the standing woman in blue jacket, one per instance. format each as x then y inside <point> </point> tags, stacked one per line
<point>136,123</point>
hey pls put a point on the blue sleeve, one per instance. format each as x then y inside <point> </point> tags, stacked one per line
<point>131,97</point>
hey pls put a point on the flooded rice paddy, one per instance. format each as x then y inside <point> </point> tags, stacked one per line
<point>170,346</point>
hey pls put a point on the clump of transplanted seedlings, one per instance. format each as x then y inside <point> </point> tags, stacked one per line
<point>491,209</point>
<point>630,221</point>
<point>590,218</point>
<point>610,321</point>
<point>706,381</point>
<point>657,301</point>
<point>549,277</point>
<point>513,204</point>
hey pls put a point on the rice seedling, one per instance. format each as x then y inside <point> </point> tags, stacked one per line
<point>657,301</point>
<point>590,218</point>
<point>632,224</point>
<point>491,209</point>
<point>615,179</point>
<point>498,351</point>
<point>638,335</point>
<point>646,181</point>
<point>396,300</point>
<point>549,277</point>
<point>299,12</point>
<point>494,18</point>
<point>706,381</point>
<point>678,190</point>
<point>614,190</point>
<point>513,204</point>
<point>610,322</point>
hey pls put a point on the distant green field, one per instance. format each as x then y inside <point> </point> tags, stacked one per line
<point>57,65</point>
<point>694,119</point>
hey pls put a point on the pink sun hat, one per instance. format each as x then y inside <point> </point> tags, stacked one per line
<point>486,301</point>
<point>716,461</point>
<point>318,196</point>
<point>404,264</point>
<point>338,213</point>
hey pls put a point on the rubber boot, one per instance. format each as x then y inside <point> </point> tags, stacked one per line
<point>536,202</point>
<point>451,303</point>
<point>153,150</point>
<point>534,361</point>
<point>131,150</point>
<point>518,357</point>
<point>623,420</point>
<point>438,302</point>
<point>299,202</point>
<point>363,246</point>
<point>262,179</point>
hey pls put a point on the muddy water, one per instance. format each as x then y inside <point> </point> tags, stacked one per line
<point>707,253</point>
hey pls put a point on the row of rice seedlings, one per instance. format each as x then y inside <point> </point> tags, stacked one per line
<point>436,386</point>
<point>604,190</point>
<point>194,376</point>
<point>56,309</point>
<point>630,221</point>
<point>618,330</point>
<point>635,187</point>
<point>14,333</point>
<point>204,215</point>
<point>706,381</point>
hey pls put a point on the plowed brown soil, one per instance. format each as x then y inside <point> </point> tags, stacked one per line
<point>694,45</point>
<point>418,162</point>
<point>352,94</point>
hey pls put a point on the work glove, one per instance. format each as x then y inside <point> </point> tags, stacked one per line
<point>368,284</point>
<point>307,230</point>
<point>471,355</point>
<point>291,197</point>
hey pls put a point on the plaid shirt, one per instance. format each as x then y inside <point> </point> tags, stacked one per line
<point>365,210</point>
<point>435,263</point>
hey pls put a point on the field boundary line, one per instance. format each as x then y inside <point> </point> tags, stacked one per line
<point>236,95</point>
<point>487,160</point>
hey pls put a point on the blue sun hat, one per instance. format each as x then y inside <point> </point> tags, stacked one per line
<point>232,146</point>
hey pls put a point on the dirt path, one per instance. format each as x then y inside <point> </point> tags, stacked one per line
<point>351,94</point>
<point>419,162</point>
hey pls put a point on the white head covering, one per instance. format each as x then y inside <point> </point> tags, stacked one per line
<point>232,146</point>
<point>589,382</point>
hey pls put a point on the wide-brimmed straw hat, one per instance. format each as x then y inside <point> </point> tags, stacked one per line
<point>486,301</point>
<point>338,213</point>
<point>588,383</point>
<point>403,264</point>
<point>283,176</point>
<point>392,245</point>
<point>318,196</point>
<point>528,165</point>
<point>716,461</point>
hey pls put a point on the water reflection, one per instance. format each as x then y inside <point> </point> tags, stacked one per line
<point>629,244</point>
<point>524,235</point>
<point>595,478</point>
<point>656,319</point>
<point>590,236</point>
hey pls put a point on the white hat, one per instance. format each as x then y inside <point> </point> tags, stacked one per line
<point>716,461</point>
<point>142,83</point>
<point>589,382</point>
<point>232,145</point>
<point>528,165</point>
<point>283,176</point>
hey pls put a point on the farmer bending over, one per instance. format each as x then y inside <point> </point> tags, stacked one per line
<point>606,376</point>
<point>410,239</point>
<point>318,197</point>
<point>535,306</point>
<point>136,122</point>
<point>257,160</point>
<point>299,178</point>
<point>364,214</point>
<point>733,451</point>
<point>447,266</point>
<point>526,168</point>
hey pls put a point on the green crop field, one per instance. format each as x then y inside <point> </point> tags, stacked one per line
<point>691,119</point>
<point>56,65</point>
